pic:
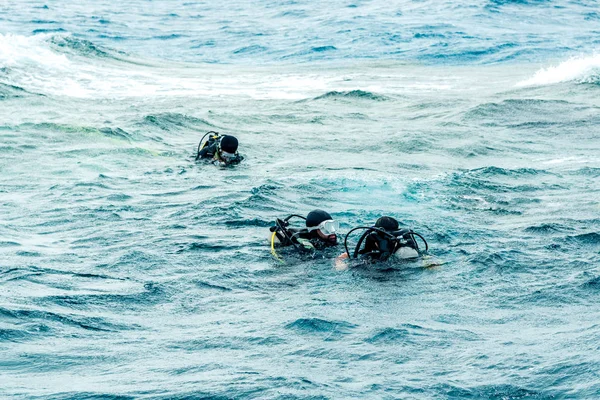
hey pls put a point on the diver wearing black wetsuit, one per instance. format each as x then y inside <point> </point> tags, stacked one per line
<point>382,241</point>
<point>379,246</point>
<point>320,232</point>
<point>221,149</point>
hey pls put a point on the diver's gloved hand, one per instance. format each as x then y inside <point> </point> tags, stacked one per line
<point>305,244</point>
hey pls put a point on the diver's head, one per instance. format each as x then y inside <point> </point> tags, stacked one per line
<point>385,245</point>
<point>227,148</point>
<point>387,223</point>
<point>326,228</point>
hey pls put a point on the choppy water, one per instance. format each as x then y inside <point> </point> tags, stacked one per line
<point>128,271</point>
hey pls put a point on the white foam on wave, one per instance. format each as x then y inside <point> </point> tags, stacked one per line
<point>580,69</point>
<point>571,160</point>
<point>39,64</point>
<point>16,50</point>
<point>27,63</point>
<point>35,64</point>
<point>30,63</point>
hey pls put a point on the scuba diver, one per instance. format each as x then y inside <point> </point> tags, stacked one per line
<point>383,240</point>
<point>220,149</point>
<point>320,232</point>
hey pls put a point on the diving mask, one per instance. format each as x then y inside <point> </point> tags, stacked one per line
<point>328,227</point>
<point>227,156</point>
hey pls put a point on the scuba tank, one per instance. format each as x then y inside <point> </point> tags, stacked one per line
<point>286,236</point>
<point>212,139</point>
<point>387,243</point>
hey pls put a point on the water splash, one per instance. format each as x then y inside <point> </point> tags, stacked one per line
<point>578,69</point>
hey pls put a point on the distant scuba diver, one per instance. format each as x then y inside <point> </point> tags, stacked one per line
<point>320,232</point>
<point>220,149</point>
<point>383,240</point>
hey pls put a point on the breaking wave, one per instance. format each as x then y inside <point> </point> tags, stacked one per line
<point>577,69</point>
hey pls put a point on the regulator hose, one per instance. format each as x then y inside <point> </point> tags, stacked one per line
<point>200,143</point>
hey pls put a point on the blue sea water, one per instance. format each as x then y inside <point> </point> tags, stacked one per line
<point>129,271</point>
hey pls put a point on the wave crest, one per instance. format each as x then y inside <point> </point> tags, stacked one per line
<point>352,94</point>
<point>318,325</point>
<point>11,91</point>
<point>577,69</point>
<point>64,65</point>
<point>82,47</point>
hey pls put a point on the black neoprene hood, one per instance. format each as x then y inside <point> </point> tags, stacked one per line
<point>315,217</point>
<point>229,144</point>
<point>387,223</point>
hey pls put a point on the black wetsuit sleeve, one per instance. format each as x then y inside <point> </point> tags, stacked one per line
<point>283,239</point>
<point>209,150</point>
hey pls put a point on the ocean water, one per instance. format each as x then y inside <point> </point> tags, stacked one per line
<point>129,271</point>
